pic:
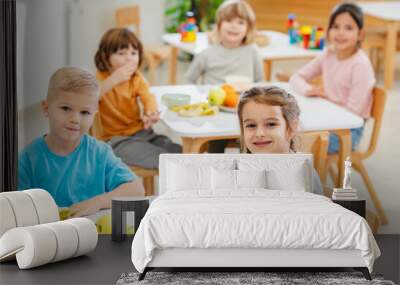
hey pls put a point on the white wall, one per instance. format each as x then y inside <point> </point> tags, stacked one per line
<point>41,38</point>
<point>90,19</point>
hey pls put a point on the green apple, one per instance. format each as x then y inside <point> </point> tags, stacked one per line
<point>216,96</point>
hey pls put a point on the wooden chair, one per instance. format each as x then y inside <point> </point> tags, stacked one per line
<point>146,174</point>
<point>129,17</point>
<point>357,157</point>
<point>317,144</point>
<point>148,178</point>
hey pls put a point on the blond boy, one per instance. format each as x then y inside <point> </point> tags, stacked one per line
<point>76,169</point>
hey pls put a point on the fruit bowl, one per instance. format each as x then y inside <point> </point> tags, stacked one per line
<point>175,99</point>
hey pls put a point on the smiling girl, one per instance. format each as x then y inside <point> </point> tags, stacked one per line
<point>269,119</point>
<point>347,74</point>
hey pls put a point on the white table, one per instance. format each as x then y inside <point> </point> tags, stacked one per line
<point>388,13</point>
<point>277,49</point>
<point>317,114</point>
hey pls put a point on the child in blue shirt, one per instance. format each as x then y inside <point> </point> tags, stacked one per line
<point>76,169</point>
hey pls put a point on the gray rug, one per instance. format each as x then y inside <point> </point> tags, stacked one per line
<point>269,278</point>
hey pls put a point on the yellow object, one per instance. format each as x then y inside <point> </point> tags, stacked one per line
<point>216,96</point>
<point>188,37</point>
<point>306,30</point>
<point>103,225</point>
<point>195,110</point>
<point>64,213</point>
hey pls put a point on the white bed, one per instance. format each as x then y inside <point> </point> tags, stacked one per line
<point>217,211</point>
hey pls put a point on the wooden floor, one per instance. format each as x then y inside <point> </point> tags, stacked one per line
<point>106,264</point>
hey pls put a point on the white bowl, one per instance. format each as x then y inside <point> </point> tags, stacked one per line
<point>175,99</point>
<point>239,82</point>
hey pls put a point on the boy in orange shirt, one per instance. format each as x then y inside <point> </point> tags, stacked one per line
<point>118,59</point>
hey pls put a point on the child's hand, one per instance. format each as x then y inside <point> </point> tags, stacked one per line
<point>84,208</point>
<point>315,91</point>
<point>150,119</point>
<point>123,73</point>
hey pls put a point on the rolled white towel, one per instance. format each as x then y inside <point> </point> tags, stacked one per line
<point>32,246</point>
<point>7,218</point>
<point>26,208</point>
<point>67,240</point>
<point>46,207</point>
<point>40,244</point>
<point>87,235</point>
<point>23,208</point>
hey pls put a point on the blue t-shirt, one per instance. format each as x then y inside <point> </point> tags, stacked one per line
<point>90,170</point>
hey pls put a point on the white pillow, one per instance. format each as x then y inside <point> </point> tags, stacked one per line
<point>182,177</point>
<point>251,179</point>
<point>223,179</point>
<point>281,173</point>
<point>293,179</point>
<point>227,179</point>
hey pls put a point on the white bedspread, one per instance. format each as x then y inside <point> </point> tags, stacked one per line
<point>250,219</point>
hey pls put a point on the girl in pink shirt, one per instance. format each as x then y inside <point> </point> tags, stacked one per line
<point>347,73</point>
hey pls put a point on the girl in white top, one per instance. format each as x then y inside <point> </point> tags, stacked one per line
<point>233,52</point>
<point>269,119</point>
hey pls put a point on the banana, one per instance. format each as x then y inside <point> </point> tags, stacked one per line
<point>194,110</point>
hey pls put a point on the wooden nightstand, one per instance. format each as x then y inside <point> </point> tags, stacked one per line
<point>357,206</point>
